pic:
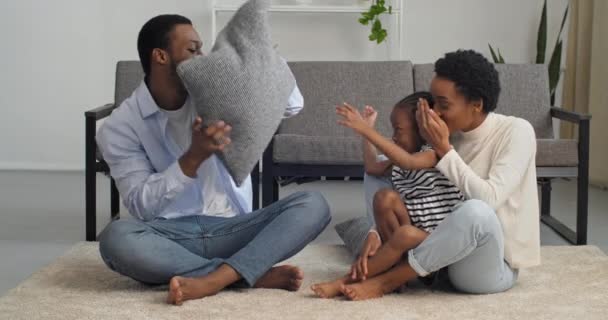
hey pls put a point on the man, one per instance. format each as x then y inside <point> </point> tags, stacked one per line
<point>193,228</point>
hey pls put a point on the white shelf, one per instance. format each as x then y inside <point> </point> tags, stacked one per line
<point>305,8</point>
<point>396,13</point>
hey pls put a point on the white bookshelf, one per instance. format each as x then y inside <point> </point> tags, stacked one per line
<point>345,6</point>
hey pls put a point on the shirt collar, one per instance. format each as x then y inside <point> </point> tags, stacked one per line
<point>147,105</point>
<point>483,130</point>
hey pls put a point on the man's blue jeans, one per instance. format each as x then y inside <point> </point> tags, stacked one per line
<point>153,252</point>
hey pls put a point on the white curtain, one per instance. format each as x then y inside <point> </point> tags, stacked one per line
<point>586,79</point>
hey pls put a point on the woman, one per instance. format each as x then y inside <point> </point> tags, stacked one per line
<point>491,159</point>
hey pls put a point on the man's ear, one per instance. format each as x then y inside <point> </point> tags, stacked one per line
<point>160,56</point>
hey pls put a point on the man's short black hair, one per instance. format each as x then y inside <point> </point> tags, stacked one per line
<point>155,34</point>
<point>473,75</point>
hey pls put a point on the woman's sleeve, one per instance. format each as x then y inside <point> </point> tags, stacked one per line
<point>512,160</point>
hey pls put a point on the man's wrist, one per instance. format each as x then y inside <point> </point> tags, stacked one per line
<point>189,163</point>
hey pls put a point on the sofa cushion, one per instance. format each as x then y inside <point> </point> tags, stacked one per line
<point>326,84</point>
<point>556,153</point>
<point>353,233</point>
<point>129,76</point>
<point>301,149</point>
<point>244,82</point>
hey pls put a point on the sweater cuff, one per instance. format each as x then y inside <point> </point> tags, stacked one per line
<point>445,161</point>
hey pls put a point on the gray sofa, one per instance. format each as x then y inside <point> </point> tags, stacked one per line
<point>311,144</point>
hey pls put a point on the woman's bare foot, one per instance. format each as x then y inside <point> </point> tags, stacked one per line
<point>284,277</point>
<point>328,290</point>
<point>368,289</point>
<point>182,289</point>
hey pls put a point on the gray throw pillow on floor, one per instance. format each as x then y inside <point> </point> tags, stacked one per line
<point>354,232</point>
<point>244,82</point>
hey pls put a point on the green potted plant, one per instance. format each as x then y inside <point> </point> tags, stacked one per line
<point>555,61</point>
<point>376,9</point>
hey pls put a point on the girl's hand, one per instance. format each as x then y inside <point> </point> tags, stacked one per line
<point>351,118</point>
<point>358,270</point>
<point>370,115</point>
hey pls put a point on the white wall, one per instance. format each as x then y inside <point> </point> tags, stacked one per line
<point>58,56</point>
<point>433,27</point>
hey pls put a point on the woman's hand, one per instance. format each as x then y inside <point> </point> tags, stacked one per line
<point>433,129</point>
<point>358,270</point>
<point>352,118</point>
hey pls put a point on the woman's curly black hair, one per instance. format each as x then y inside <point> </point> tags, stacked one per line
<point>473,75</point>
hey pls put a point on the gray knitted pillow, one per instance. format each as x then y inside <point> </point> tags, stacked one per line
<point>354,232</point>
<point>244,82</point>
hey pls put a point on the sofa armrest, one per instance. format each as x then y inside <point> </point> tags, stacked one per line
<point>569,116</point>
<point>100,112</point>
<point>90,127</point>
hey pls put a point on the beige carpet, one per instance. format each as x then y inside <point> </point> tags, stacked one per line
<point>572,283</point>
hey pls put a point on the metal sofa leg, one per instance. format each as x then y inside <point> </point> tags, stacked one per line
<point>545,196</point>
<point>90,182</point>
<point>545,213</point>
<point>582,210</point>
<point>255,186</point>
<point>268,186</point>
<point>114,200</point>
<point>582,198</point>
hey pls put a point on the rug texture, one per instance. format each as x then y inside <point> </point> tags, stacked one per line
<point>572,283</point>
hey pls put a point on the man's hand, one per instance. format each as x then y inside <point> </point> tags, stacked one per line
<point>205,142</point>
<point>358,270</point>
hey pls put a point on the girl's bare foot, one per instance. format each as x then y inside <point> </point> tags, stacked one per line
<point>368,289</point>
<point>328,290</point>
<point>182,289</point>
<point>282,277</point>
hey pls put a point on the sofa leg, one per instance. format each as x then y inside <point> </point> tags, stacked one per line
<point>268,187</point>
<point>545,198</point>
<point>90,219</point>
<point>582,211</point>
<point>114,200</point>
<point>255,186</point>
<point>275,190</point>
<point>582,198</point>
<point>266,190</point>
<point>90,186</point>
<point>545,213</point>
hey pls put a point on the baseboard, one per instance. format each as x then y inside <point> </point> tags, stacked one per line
<point>36,166</point>
<point>599,184</point>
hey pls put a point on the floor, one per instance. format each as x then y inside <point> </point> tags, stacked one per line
<point>42,215</point>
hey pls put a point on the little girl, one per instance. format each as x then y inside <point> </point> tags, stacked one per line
<point>420,199</point>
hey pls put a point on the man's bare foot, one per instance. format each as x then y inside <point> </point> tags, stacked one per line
<point>182,289</point>
<point>328,290</point>
<point>368,289</point>
<point>284,277</point>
